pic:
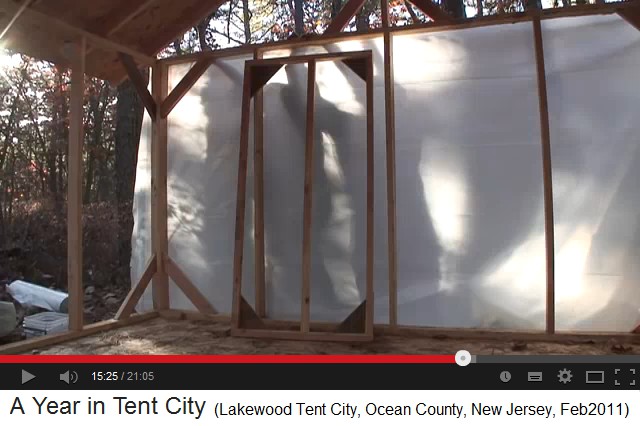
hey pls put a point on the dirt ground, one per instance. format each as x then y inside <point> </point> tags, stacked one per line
<point>162,337</point>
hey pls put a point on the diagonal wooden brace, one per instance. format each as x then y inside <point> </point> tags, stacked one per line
<point>128,306</point>
<point>185,84</point>
<point>344,16</point>
<point>139,84</point>
<point>188,288</point>
<point>631,15</point>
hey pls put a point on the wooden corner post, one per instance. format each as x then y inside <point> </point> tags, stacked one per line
<point>74,189</point>
<point>159,240</point>
<point>546,177</point>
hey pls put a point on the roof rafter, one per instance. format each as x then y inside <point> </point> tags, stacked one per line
<point>16,15</point>
<point>353,6</point>
<point>196,14</point>
<point>344,16</point>
<point>94,39</point>
<point>122,17</point>
<point>432,10</point>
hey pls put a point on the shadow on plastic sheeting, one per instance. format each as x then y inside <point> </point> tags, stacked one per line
<point>470,215</point>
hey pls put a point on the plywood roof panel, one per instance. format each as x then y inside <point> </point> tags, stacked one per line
<point>146,26</point>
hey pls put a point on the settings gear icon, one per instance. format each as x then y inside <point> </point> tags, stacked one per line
<point>564,376</point>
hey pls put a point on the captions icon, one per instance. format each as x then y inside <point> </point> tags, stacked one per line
<point>534,376</point>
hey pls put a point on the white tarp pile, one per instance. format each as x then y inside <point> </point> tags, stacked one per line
<point>469,180</point>
<point>29,294</point>
<point>33,295</point>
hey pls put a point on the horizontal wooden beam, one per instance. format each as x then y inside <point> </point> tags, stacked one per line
<point>186,315</point>
<point>92,38</point>
<point>303,59</point>
<point>139,84</point>
<point>322,336</point>
<point>184,86</point>
<point>433,332</point>
<point>325,39</point>
<point>432,10</point>
<point>57,339</point>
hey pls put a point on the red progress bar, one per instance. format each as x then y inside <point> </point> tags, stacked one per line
<point>228,359</point>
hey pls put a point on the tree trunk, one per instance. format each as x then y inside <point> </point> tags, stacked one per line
<point>201,29</point>
<point>298,17</point>
<point>336,5</point>
<point>455,8</point>
<point>533,4</point>
<point>56,136</point>
<point>104,186</point>
<point>178,47</point>
<point>246,13</point>
<point>362,17</point>
<point>94,106</point>
<point>129,114</point>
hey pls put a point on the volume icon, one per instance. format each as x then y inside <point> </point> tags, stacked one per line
<point>69,377</point>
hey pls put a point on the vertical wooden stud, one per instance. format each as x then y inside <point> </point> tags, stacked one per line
<point>159,241</point>
<point>258,189</point>
<point>308,198</point>
<point>384,12</point>
<point>547,177</point>
<point>370,188</point>
<point>74,189</point>
<point>241,198</point>
<point>390,122</point>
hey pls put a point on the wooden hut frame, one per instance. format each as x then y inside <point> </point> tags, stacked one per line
<point>159,104</point>
<point>358,326</point>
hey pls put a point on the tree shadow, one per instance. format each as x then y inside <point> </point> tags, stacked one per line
<point>469,189</point>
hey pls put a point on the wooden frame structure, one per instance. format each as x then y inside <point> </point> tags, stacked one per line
<point>159,104</point>
<point>245,321</point>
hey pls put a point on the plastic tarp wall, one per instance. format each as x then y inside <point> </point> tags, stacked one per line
<point>469,180</point>
<point>592,68</point>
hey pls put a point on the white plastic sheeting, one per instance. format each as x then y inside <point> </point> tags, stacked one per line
<point>593,65</point>
<point>469,180</point>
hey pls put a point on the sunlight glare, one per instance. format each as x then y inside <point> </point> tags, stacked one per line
<point>440,59</point>
<point>445,192</point>
<point>340,229</point>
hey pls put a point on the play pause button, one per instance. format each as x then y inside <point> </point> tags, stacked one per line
<point>27,377</point>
